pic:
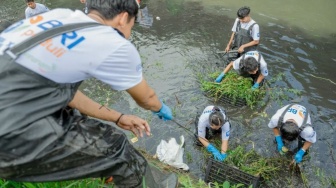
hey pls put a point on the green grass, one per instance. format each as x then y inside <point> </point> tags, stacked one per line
<point>254,164</point>
<point>237,88</point>
<point>234,87</point>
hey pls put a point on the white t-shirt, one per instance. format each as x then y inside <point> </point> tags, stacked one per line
<point>97,51</point>
<point>203,123</point>
<point>297,113</point>
<point>255,55</point>
<point>255,29</point>
<point>37,10</point>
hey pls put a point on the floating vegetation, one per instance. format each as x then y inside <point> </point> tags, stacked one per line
<point>234,87</point>
<point>252,163</point>
<point>237,89</point>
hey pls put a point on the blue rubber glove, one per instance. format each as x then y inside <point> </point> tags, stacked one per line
<point>165,112</point>
<point>279,143</point>
<point>220,77</point>
<point>224,155</point>
<point>299,155</point>
<point>217,155</point>
<point>255,86</point>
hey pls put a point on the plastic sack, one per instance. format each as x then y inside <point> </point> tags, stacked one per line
<point>171,153</point>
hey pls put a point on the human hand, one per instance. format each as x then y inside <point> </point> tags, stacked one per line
<point>134,124</point>
<point>281,148</point>
<point>217,155</point>
<point>255,86</point>
<point>241,49</point>
<point>299,155</point>
<point>227,48</point>
<point>224,155</point>
<point>165,112</point>
<point>220,77</point>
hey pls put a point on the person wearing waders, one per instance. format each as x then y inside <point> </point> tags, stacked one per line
<point>50,130</point>
<point>292,122</point>
<point>245,34</point>
<point>251,64</point>
<point>213,120</point>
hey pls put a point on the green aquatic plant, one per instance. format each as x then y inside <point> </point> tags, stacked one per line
<point>254,164</point>
<point>234,87</point>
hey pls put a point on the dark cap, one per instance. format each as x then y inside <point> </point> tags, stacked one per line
<point>243,12</point>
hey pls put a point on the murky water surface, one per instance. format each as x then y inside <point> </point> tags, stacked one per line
<point>297,39</point>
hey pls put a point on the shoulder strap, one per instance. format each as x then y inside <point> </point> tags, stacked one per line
<point>259,54</point>
<point>22,47</point>
<point>238,26</point>
<point>251,26</point>
<point>280,121</point>
<point>250,29</point>
<point>304,123</point>
<point>259,57</point>
<point>241,63</point>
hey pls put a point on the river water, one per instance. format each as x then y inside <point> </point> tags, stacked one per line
<point>297,39</point>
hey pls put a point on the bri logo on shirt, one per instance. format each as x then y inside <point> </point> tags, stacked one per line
<point>68,40</point>
<point>252,53</point>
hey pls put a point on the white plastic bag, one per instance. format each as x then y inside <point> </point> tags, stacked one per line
<point>171,153</point>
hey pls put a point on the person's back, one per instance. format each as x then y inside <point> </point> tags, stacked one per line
<point>34,9</point>
<point>61,59</point>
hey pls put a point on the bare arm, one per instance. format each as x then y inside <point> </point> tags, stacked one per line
<point>228,67</point>
<point>228,47</point>
<point>93,109</point>
<point>204,141</point>
<point>225,144</point>
<point>260,78</point>
<point>145,96</point>
<point>276,131</point>
<point>306,145</point>
<point>252,43</point>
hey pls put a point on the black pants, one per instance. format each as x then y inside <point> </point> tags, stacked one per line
<point>85,148</point>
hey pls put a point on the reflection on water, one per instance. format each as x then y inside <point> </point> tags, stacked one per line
<point>297,39</point>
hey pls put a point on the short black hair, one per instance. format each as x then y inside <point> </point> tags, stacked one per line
<point>243,12</point>
<point>216,117</point>
<point>250,64</point>
<point>27,1</point>
<point>111,8</point>
<point>289,130</point>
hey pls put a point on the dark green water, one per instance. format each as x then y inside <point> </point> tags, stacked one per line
<point>297,39</point>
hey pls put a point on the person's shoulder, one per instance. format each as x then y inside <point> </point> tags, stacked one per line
<point>236,21</point>
<point>209,107</point>
<point>309,131</point>
<point>253,21</point>
<point>39,4</point>
<point>299,105</point>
